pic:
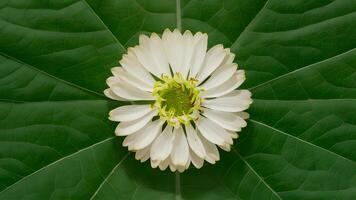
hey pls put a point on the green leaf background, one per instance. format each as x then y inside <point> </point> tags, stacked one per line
<point>57,143</point>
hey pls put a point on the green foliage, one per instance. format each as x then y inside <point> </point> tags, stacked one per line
<point>57,143</point>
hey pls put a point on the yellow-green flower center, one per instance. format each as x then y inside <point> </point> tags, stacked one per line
<point>177,99</point>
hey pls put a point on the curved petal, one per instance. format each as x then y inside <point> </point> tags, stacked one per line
<point>235,101</point>
<point>163,144</point>
<point>243,115</point>
<point>132,80</point>
<point>172,167</point>
<point>143,154</point>
<point>188,48</point>
<point>229,58</point>
<point>143,55</point>
<point>194,141</point>
<point>110,94</point>
<point>127,128</point>
<point>233,134</point>
<point>180,151</point>
<point>183,168</point>
<point>225,147</point>
<point>131,64</point>
<point>229,85</point>
<point>212,152</point>
<point>155,163</point>
<point>220,75</point>
<point>158,55</point>
<point>213,59</point>
<point>129,113</point>
<point>127,91</point>
<point>213,132</point>
<point>173,47</point>
<point>144,136</point>
<point>112,81</point>
<point>164,164</point>
<point>227,120</point>
<point>197,161</point>
<point>200,47</point>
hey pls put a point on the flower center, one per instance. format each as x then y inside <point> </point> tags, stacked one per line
<point>177,99</point>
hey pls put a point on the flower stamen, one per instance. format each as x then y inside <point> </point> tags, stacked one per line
<point>177,99</point>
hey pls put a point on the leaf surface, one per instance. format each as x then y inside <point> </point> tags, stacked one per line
<point>56,141</point>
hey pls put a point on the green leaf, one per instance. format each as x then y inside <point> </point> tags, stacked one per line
<point>57,143</point>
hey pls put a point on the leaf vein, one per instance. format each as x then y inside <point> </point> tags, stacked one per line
<point>55,162</point>
<point>251,168</point>
<point>304,141</point>
<point>301,69</point>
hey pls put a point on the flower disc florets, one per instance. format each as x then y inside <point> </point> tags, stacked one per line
<point>177,99</point>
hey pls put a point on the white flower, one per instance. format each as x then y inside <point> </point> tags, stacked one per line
<point>185,102</point>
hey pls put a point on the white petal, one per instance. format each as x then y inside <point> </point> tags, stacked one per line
<point>229,58</point>
<point>143,154</point>
<point>110,94</point>
<point>127,128</point>
<point>212,153</point>
<point>180,151</point>
<point>213,132</point>
<point>243,115</point>
<point>227,120</point>
<point>112,81</point>
<point>200,47</point>
<point>188,163</point>
<point>173,47</point>
<point>181,168</point>
<point>131,64</point>
<point>145,136</point>
<point>164,164</point>
<point>146,57</point>
<point>233,134</point>
<point>129,113</point>
<point>132,80</point>
<point>213,59</point>
<point>129,92</point>
<point>220,75</point>
<point>229,85</point>
<point>197,161</point>
<point>235,101</point>
<point>162,146</point>
<point>158,54</point>
<point>155,163</point>
<point>172,166</point>
<point>225,147</point>
<point>188,48</point>
<point>194,141</point>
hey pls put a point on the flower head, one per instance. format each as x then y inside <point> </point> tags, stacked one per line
<point>185,100</point>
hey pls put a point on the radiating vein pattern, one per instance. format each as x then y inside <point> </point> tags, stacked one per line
<point>20,82</point>
<point>64,39</point>
<point>134,17</point>
<point>294,169</point>
<point>33,135</point>
<point>74,177</point>
<point>223,20</point>
<point>231,178</point>
<point>333,78</point>
<point>289,35</point>
<point>57,143</point>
